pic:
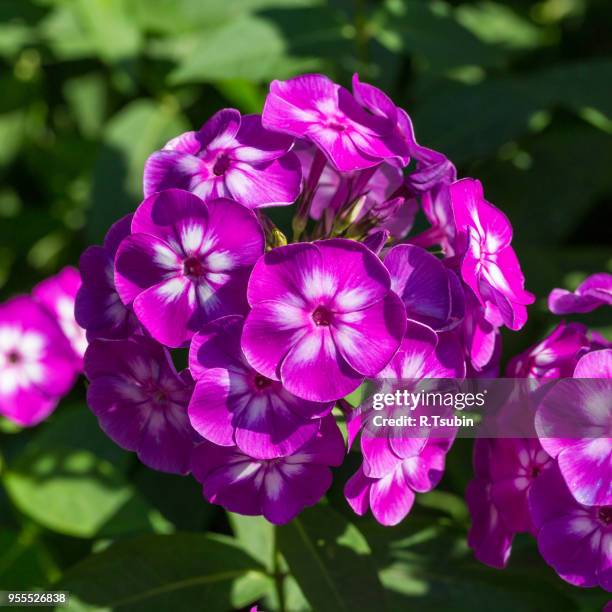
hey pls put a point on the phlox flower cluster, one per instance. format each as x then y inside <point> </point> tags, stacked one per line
<point>278,333</point>
<point>276,330</point>
<point>558,489</point>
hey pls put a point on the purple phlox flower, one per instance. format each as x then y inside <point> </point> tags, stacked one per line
<point>391,495</point>
<point>593,292</point>
<point>234,405</point>
<point>574,423</point>
<point>431,293</point>
<point>490,266</point>
<point>37,363</point>
<point>278,489</point>
<point>98,307</point>
<point>554,357</point>
<point>313,107</point>
<point>505,469</point>
<point>186,262</point>
<point>481,339</point>
<point>323,317</point>
<point>423,354</point>
<point>576,540</point>
<point>140,401</point>
<point>432,174</point>
<point>57,294</point>
<point>231,156</point>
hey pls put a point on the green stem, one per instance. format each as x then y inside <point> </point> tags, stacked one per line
<point>279,576</point>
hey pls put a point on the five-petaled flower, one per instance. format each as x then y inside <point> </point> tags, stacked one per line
<point>231,156</point>
<point>323,318</point>
<point>186,262</point>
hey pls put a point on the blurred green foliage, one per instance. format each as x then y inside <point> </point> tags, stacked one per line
<point>518,93</point>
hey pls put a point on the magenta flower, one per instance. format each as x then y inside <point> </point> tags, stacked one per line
<point>140,401</point>
<point>490,266</point>
<point>593,292</point>
<point>389,452</point>
<point>585,459</point>
<point>98,307</point>
<point>234,405</point>
<point>231,156</point>
<point>323,317</point>
<point>431,293</point>
<point>391,496</point>
<point>37,363</point>
<point>57,294</point>
<point>555,357</point>
<point>280,488</point>
<point>313,107</point>
<point>498,495</point>
<point>186,262</point>
<point>576,540</point>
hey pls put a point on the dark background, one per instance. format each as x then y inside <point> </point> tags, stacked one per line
<point>516,93</point>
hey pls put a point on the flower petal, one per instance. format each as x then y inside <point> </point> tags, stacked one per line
<point>369,338</point>
<point>314,369</point>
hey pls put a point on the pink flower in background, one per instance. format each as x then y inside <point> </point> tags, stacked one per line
<point>98,308</point>
<point>234,405</point>
<point>574,423</point>
<point>231,156</point>
<point>576,540</point>
<point>279,488</point>
<point>497,498</point>
<point>313,107</point>
<point>140,401</point>
<point>186,263</point>
<point>555,357</point>
<point>57,294</point>
<point>323,317</point>
<point>489,266</point>
<point>37,363</point>
<point>593,292</point>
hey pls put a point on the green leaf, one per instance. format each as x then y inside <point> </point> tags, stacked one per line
<point>135,132</point>
<point>493,22</point>
<point>86,96</point>
<point>329,559</point>
<point>256,536</point>
<point>428,566</point>
<point>81,28</point>
<point>222,54</point>
<point>177,16</point>
<point>186,571</point>
<point>69,479</point>
<point>24,562</point>
<point>434,36</point>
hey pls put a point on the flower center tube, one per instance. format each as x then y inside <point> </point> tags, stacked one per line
<point>261,382</point>
<point>605,515</point>
<point>322,316</point>
<point>13,357</point>
<point>193,267</point>
<point>221,165</point>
